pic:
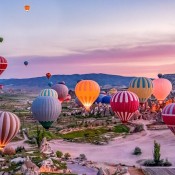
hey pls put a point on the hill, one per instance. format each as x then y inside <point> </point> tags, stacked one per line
<point>70,80</point>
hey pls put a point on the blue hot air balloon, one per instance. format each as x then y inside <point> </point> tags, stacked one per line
<point>99,99</point>
<point>46,110</point>
<point>50,84</point>
<point>26,63</point>
<point>106,99</point>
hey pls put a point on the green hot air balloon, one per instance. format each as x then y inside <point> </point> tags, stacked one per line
<point>46,110</point>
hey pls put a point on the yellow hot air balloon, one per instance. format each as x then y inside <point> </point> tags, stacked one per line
<point>162,88</point>
<point>143,87</point>
<point>87,92</point>
<point>112,91</point>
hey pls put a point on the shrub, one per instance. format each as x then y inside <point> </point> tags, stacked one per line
<point>59,154</point>
<point>19,149</point>
<point>138,128</point>
<point>167,163</point>
<point>82,157</point>
<point>67,156</point>
<point>137,151</point>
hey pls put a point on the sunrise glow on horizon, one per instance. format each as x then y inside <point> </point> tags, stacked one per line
<point>129,38</point>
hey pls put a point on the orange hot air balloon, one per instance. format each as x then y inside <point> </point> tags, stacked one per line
<point>87,92</point>
<point>48,75</point>
<point>161,88</point>
<point>27,8</point>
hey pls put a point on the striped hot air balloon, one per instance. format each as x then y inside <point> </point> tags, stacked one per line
<point>61,90</point>
<point>3,64</point>
<point>124,104</point>
<point>168,115</point>
<point>142,87</point>
<point>46,110</point>
<point>162,88</point>
<point>49,92</point>
<point>9,127</point>
<point>87,92</point>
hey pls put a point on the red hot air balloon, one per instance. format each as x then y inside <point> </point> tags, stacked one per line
<point>124,104</point>
<point>48,75</point>
<point>3,64</point>
<point>168,115</point>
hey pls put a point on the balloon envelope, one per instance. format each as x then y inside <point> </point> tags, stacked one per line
<point>3,64</point>
<point>99,99</point>
<point>49,92</point>
<point>124,104</point>
<point>26,63</point>
<point>142,87</point>
<point>162,88</point>
<point>9,127</point>
<point>61,90</point>
<point>46,110</point>
<point>50,84</point>
<point>106,99</point>
<point>48,75</point>
<point>168,115</point>
<point>87,92</point>
<point>27,8</point>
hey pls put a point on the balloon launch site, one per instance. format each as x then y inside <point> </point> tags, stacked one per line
<point>87,87</point>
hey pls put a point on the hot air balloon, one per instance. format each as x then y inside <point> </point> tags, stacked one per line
<point>1,86</point>
<point>3,64</point>
<point>46,110</point>
<point>87,92</point>
<point>1,39</point>
<point>26,63</point>
<point>49,92</point>
<point>168,115</point>
<point>99,99</point>
<point>50,84</point>
<point>112,91</point>
<point>61,90</point>
<point>27,8</point>
<point>106,99</point>
<point>162,88</point>
<point>142,87</point>
<point>48,75</point>
<point>68,98</point>
<point>9,127</point>
<point>124,104</point>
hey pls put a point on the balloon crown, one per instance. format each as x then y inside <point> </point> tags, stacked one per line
<point>62,82</point>
<point>160,75</point>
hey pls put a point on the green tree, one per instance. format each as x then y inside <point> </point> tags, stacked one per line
<point>40,134</point>
<point>59,154</point>
<point>156,153</point>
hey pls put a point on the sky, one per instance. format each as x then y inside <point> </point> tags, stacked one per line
<point>120,37</point>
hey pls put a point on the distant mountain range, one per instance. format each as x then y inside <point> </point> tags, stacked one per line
<point>71,80</point>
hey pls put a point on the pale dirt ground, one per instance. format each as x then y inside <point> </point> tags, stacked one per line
<point>120,150</point>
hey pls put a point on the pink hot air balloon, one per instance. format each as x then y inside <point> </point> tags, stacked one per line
<point>168,115</point>
<point>124,104</point>
<point>161,88</point>
<point>9,127</point>
<point>62,91</point>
